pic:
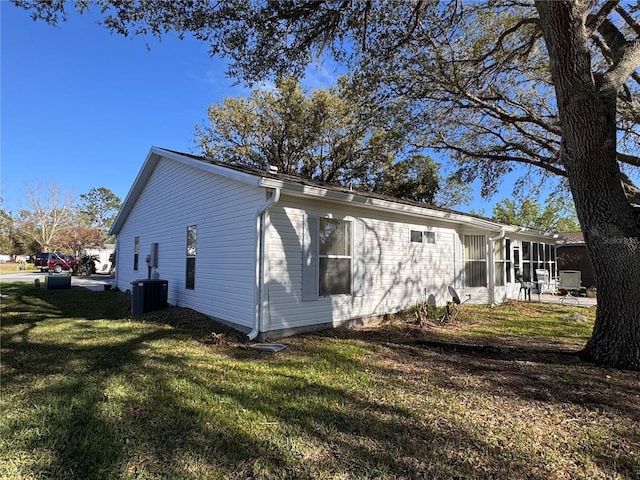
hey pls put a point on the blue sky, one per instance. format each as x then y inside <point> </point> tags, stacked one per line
<point>82,107</point>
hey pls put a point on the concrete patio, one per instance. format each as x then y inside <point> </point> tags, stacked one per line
<point>565,300</point>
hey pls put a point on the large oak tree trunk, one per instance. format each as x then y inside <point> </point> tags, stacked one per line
<point>611,226</point>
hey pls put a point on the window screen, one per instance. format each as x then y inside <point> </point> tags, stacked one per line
<point>475,261</point>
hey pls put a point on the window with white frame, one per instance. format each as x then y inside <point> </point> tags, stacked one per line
<point>190,275</point>
<point>418,236</point>
<point>475,261</point>
<point>136,252</point>
<point>334,257</point>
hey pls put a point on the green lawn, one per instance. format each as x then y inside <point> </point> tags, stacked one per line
<point>88,392</point>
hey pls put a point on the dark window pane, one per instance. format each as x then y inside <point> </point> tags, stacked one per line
<point>475,274</point>
<point>335,276</point>
<point>136,252</point>
<point>416,236</point>
<point>499,274</point>
<point>526,272</point>
<point>191,273</point>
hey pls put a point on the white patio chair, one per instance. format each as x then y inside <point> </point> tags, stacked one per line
<point>570,281</point>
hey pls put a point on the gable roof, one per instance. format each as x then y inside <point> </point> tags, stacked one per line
<point>301,187</point>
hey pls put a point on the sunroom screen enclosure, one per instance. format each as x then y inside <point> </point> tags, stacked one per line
<point>475,261</point>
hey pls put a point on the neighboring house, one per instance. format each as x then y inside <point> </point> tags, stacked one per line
<point>273,254</point>
<point>573,255</point>
<point>102,258</point>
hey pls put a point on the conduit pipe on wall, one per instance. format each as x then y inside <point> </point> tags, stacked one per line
<point>492,266</point>
<point>260,254</point>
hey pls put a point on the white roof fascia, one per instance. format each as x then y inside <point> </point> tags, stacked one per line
<point>301,190</point>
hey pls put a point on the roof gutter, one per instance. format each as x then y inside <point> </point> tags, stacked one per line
<point>357,199</point>
<point>260,260</point>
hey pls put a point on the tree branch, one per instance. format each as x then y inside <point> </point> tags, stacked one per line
<point>626,66</point>
<point>629,19</point>
<point>495,157</point>
<point>595,21</point>
<point>628,159</point>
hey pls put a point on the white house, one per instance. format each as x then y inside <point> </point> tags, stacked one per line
<point>272,254</point>
<point>102,258</point>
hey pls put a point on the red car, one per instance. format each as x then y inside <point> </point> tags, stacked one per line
<point>56,262</point>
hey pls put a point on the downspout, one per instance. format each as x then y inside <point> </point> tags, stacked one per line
<point>260,254</point>
<point>492,266</point>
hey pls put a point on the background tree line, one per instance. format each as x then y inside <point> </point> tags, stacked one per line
<point>54,220</point>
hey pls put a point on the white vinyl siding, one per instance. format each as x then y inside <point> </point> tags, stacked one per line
<point>177,196</point>
<point>309,258</point>
<point>388,271</point>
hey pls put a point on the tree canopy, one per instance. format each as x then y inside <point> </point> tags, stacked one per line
<point>558,215</point>
<point>327,135</point>
<point>477,74</point>
<point>50,211</point>
<point>99,207</point>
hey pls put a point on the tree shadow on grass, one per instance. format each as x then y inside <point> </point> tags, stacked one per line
<point>144,400</point>
<point>545,371</point>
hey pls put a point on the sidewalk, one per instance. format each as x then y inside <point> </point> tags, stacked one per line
<point>94,282</point>
<point>97,283</point>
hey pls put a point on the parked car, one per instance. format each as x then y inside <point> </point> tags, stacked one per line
<point>56,262</point>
